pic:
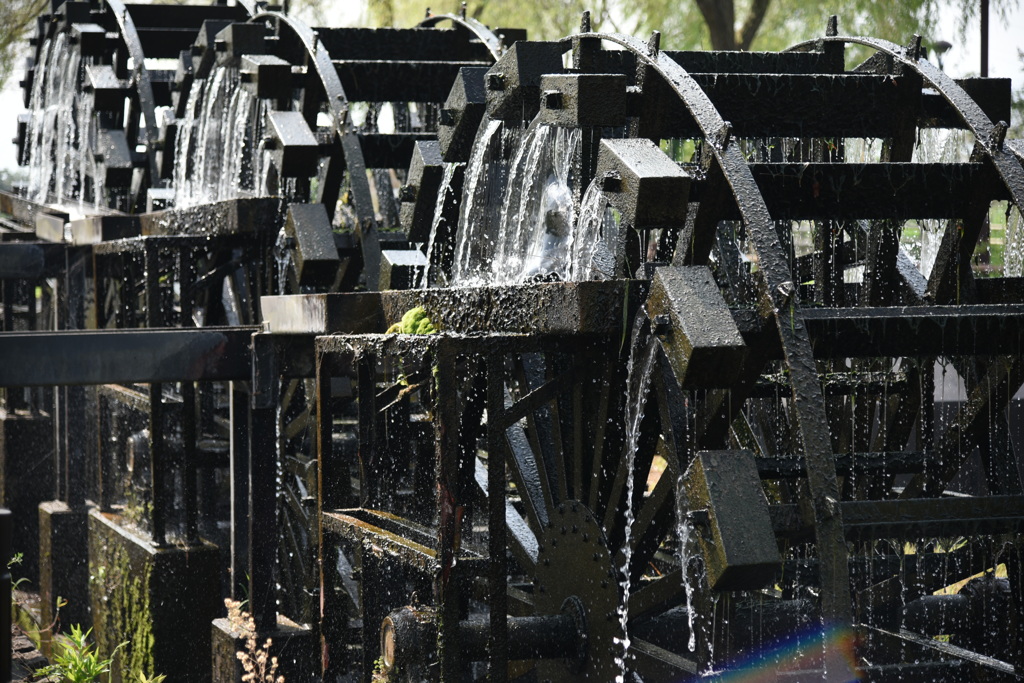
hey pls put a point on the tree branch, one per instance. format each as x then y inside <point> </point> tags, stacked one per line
<point>720,16</point>
<point>758,8</point>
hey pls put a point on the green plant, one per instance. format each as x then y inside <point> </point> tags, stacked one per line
<point>76,660</point>
<point>143,678</point>
<point>259,666</point>
<point>125,622</point>
<point>13,562</point>
<point>379,671</point>
<point>414,321</point>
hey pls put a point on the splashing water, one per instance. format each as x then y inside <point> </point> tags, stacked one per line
<point>591,251</point>
<point>1013,263</point>
<point>938,146</point>
<point>685,532</point>
<point>530,233</point>
<point>426,275</point>
<point>484,187</point>
<point>638,384</point>
<point>213,156</point>
<point>60,127</point>
<point>537,216</point>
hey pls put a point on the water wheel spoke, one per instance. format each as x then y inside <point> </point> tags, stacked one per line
<point>653,663</point>
<point>636,466</point>
<point>606,406</point>
<point>521,540</point>
<point>530,479</point>
<point>529,375</point>
<point>657,595</point>
<point>655,514</point>
<point>294,503</point>
<point>298,425</point>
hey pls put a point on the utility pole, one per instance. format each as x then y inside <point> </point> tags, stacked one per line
<point>984,38</point>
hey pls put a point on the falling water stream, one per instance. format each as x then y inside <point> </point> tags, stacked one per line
<point>945,147</point>
<point>1013,256</point>
<point>591,251</point>
<point>61,130</point>
<point>638,373</point>
<point>483,187</point>
<point>685,532</point>
<point>218,151</point>
<point>529,239</point>
<point>442,195</point>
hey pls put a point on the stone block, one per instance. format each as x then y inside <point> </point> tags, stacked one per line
<point>724,496</point>
<point>583,100</point>
<point>159,600</point>
<point>700,337</point>
<point>649,189</point>
<point>26,480</point>
<point>513,83</point>
<point>316,256</point>
<point>462,113</point>
<point>419,194</point>
<point>295,647</point>
<point>401,269</point>
<point>63,565</point>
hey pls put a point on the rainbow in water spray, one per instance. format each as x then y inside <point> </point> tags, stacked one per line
<point>801,652</point>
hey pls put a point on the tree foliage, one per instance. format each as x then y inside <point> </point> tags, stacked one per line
<point>17,21</point>
<point>699,24</point>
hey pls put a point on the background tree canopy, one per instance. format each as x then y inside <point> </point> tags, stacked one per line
<point>17,21</point>
<point>697,24</point>
<point>684,24</point>
<point>718,24</point>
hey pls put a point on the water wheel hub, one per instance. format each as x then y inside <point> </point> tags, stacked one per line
<point>575,575</point>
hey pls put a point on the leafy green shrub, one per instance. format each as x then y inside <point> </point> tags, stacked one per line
<point>75,660</point>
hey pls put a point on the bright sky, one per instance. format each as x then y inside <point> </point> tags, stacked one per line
<point>963,59</point>
<point>1005,38</point>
